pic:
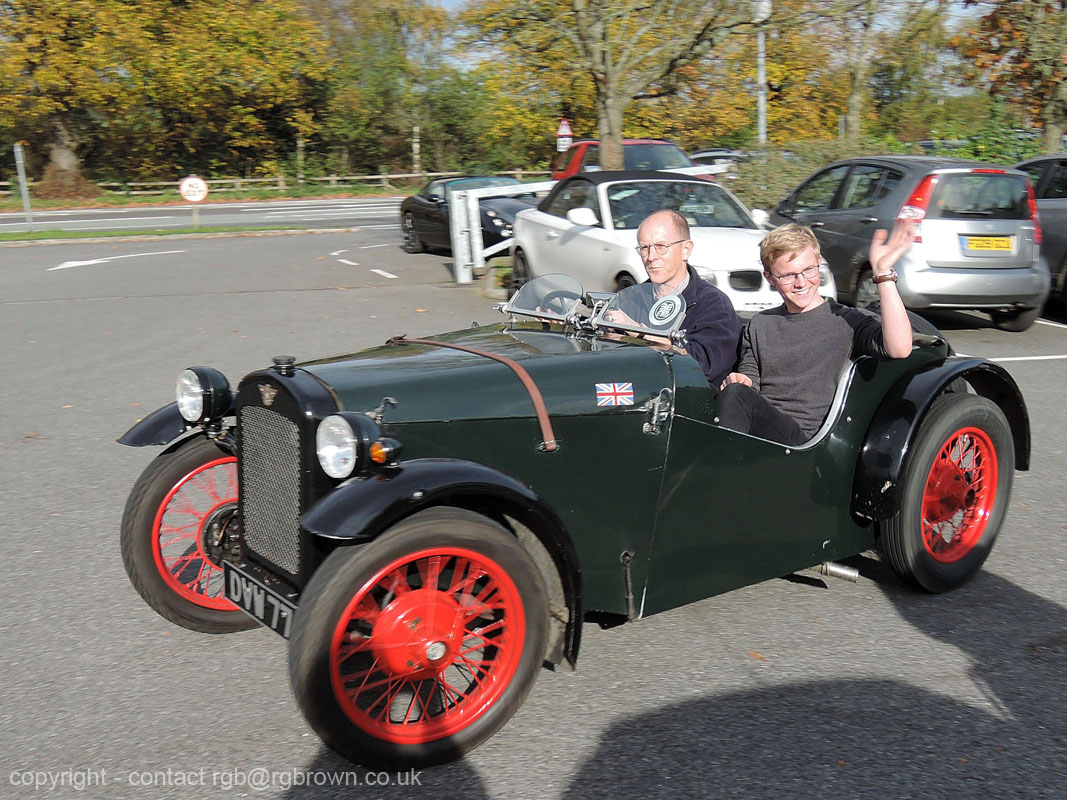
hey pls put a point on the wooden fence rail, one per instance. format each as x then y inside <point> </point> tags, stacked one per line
<point>279,183</point>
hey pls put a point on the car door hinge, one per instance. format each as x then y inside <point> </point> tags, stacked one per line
<point>658,408</point>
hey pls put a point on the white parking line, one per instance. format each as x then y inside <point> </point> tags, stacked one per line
<point>69,264</point>
<point>350,263</point>
<point>1053,324</point>
<point>371,246</point>
<point>338,252</point>
<point>383,273</point>
<point>117,219</point>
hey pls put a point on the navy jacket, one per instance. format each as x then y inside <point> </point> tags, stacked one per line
<point>712,327</point>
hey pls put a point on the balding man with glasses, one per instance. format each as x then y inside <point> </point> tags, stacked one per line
<point>792,355</point>
<point>711,325</point>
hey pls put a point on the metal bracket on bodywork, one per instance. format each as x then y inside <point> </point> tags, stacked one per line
<point>659,409</point>
<point>626,558</point>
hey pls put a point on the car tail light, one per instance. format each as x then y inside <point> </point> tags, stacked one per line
<point>1031,201</point>
<point>914,210</point>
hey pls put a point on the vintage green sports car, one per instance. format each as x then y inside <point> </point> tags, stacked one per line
<point>430,521</point>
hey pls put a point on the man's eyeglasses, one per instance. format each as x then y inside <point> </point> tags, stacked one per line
<point>791,277</point>
<point>661,248</point>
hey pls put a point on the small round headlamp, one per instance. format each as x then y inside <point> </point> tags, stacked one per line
<point>203,394</point>
<point>342,443</point>
<point>336,446</point>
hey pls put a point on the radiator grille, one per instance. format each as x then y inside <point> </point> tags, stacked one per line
<point>270,486</point>
<point>746,280</point>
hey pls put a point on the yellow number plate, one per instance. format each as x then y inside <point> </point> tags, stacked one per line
<point>987,242</point>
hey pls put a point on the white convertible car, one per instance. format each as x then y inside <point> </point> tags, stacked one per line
<point>587,227</point>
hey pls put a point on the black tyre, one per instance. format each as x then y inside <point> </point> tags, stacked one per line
<point>412,242</point>
<point>415,648</point>
<point>520,272</point>
<point>174,529</point>
<point>1015,321</point>
<point>623,280</point>
<point>866,293</point>
<point>955,491</point>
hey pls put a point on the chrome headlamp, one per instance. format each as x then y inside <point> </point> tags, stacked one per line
<point>343,443</point>
<point>203,394</point>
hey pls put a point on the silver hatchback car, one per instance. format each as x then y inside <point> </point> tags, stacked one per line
<point>978,240</point>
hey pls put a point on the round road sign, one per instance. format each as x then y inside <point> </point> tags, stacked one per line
<point>192,188</point>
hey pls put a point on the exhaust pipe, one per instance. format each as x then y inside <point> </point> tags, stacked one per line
<point>835,570</point>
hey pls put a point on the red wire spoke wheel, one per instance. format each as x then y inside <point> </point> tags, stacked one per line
<point>959,495</point>
<point>179,519</point>
<point>955,489</point>
<point>427,645</point>
<point>182,532</point>
<point>413,649</point>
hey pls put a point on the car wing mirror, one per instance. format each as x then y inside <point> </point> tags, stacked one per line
<point>583,216</point>
<point>785,208</point>
<point>760,217</point>
<point>435,198</point>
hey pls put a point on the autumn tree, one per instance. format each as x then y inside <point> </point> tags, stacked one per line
<point>628,49</point>
<point>1020,48</point>
<point>63,67</point>
<point>156,85</point>
<point>385,50</point>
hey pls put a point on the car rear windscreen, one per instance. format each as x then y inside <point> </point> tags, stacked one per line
<point>654,156</point>
<point>980,195</point>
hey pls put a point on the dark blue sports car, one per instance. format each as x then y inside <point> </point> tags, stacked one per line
<point>424,216</point>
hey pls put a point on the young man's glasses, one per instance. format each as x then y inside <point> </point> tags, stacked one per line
<point>661,248</point>
<point>791,277</point>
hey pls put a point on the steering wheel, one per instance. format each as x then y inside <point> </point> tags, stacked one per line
<point>558,297</point>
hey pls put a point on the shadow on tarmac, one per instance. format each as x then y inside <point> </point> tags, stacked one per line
<point>872,738</point>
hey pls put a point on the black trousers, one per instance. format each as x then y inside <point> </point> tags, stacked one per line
<point>742,408</point>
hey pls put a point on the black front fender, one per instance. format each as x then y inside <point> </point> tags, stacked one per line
<point>162,426</point>
<point>361,509</point>
<point>876,488</point>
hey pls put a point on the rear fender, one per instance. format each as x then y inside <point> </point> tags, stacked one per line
<point>876,487</point>
<point>362,509</point>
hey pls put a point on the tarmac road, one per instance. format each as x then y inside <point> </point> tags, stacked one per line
<point>325,213</point>
<point>784,689</point>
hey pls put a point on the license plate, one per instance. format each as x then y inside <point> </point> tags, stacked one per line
<point>265,606</point>
<point>987,243</point>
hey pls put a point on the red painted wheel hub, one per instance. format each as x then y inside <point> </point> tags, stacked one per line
<point>427,645</point>
<point>180,528</point>
<point>419,631</point>
<point>959,495</point>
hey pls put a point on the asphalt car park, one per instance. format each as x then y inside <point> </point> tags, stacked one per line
<point>787,688</point>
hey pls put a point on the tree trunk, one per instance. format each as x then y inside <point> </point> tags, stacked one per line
<point>1055,115</point>
<point>63,177</point>
<point>62,152</point>
<point>609,111</point>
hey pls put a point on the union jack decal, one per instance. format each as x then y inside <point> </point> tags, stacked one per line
<point>615,394</point>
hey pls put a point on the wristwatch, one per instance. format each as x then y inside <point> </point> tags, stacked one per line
<point>889,276</point>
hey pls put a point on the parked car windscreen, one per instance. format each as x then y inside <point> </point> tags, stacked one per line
<point>478,183</point>
<point>703,204</point>
<point>980,194</point>
<point>654,156</point>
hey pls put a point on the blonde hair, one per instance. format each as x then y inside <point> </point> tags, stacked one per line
<point>788,238</point>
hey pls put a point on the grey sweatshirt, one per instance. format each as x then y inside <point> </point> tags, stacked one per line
<point>795,360</point>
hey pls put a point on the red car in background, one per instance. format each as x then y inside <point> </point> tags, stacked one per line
<point>638,154</point>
